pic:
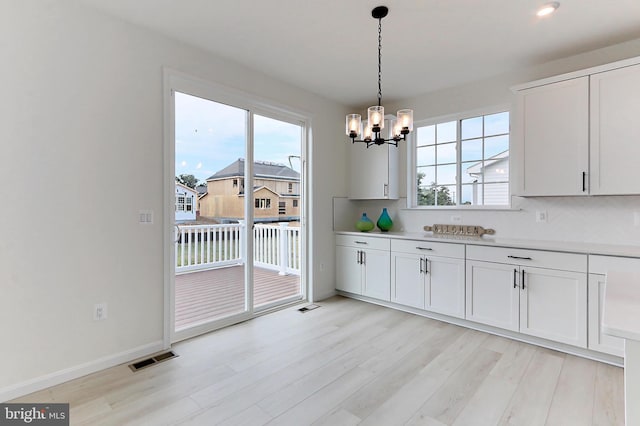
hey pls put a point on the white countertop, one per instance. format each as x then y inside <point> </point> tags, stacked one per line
<point>621,317</point>
<point>564,246</point>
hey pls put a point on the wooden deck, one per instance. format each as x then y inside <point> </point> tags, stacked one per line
<point>215,293</point>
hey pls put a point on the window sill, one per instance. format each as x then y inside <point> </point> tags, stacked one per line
<point>463,208</point>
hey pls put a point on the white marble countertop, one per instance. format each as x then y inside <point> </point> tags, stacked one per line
<point>564,246</point>
<point>621,317</point>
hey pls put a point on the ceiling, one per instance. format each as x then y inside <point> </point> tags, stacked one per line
<point>330,47</point>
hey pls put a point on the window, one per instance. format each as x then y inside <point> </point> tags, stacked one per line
<point>290,187</point>
<point>282,207</point>
<point>295,203</point>
<point>262,203</point>
<point>180,202</point>
<point>189,204</point>
<point>463,162</point>
<point>235,183</point>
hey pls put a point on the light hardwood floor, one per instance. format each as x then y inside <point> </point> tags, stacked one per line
<point>349,363</point>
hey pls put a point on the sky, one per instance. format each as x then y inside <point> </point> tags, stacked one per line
<point>210,136</point>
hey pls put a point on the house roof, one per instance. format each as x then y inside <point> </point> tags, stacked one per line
<point>477,167</point>
<point>261,169</point>
<point>185,188</point>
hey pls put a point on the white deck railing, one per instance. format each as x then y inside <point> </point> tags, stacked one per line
<point>275,247</point>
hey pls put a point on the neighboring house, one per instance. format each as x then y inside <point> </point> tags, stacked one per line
<point>185,203</point>
<point>276,193</point>
<point>495,175</point>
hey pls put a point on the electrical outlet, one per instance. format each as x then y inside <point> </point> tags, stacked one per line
<point>541,216</point>
<point>636,218</point>
<point>322,266</point>
<point>456,219</point>
<point>99,311</point>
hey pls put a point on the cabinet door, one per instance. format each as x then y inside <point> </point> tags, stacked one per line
<point>376,274</point>
<point>615,131</point>
<point>550,139</point>
<point>553,305</point>
<point>491,297</point>
<point>445,286</point>
<point>373,172</point>
<point>407,287</point>
<point>598,341</point>
<point>348,270</point>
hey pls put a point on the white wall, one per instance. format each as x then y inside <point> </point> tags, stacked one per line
<point>82,118</point>
<point>606,220</point>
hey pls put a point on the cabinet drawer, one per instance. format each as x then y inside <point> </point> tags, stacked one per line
<point>428,248</point>
<point>363,242</point>
<point>602,264</point>
<point>536,258</point>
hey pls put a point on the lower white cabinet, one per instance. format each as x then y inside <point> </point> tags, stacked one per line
<point>428,276</point>
<point>363,266</point>
<point>511,289</point>
<point>544,294</point>
<point>599,341</point>
<point>598,268</point>
<point>493,295</point>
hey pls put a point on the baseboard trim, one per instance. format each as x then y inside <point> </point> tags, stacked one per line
<point>33,385</point>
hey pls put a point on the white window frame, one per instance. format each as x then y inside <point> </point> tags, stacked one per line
<point>412,193</point>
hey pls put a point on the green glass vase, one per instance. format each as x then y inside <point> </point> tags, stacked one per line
<point>365,224</point>
<point>384,221</point>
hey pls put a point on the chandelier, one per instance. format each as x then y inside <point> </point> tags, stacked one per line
<point>372,132</point>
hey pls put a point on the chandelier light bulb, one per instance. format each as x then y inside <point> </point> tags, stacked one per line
<point>354,125</point>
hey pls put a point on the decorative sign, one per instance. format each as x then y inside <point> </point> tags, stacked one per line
<point>461,230</point>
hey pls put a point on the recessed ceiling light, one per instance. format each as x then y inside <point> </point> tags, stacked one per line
<point>548,8</point>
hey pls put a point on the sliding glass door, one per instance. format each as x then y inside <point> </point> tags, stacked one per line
<point>238,204</point>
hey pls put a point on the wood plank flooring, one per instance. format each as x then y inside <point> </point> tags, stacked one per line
<point>215,293</point>
<point>349,363</point>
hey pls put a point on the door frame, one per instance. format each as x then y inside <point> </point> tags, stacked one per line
<point>174,80</point>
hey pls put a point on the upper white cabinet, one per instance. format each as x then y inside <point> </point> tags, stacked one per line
<point>551,131</point>
<point>578,134</point>
<point>373,171</point>
<point>615,132</point>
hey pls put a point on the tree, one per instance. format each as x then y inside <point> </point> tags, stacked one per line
<point>427,195</point>
<point>187,180</point>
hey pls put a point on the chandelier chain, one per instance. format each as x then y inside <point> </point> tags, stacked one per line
<point>380,62</point>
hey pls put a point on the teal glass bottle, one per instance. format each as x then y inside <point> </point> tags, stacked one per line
<point>384,221</point>
<point>365,224</point>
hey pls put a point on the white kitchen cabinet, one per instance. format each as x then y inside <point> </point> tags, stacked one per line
<point>348,270</point>
<point>363,266</point>
<point>615,132</point>
<point>539,293</point>
<point>598,268</point>
<point>577,134</point>
<point>493,296</point>
<point>428,276</point>
<point>599,341</point>
<point>374,171</point>
<point>550,136</point>
<point>553,305</point>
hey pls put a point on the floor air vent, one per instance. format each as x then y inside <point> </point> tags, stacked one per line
<point>308,308</point>
<point>136,366</point>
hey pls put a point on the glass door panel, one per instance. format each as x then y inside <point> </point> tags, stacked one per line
<point>277,193</point>
<point>210,225</point>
